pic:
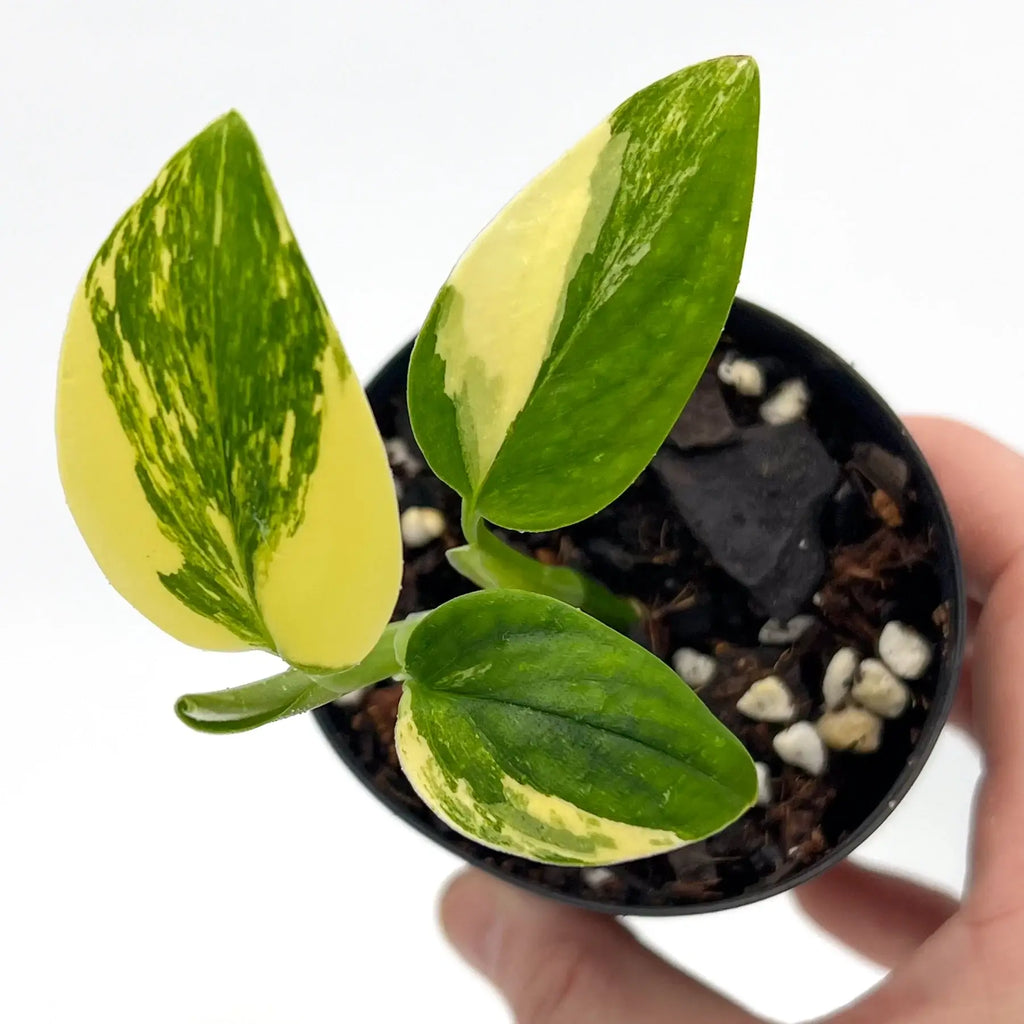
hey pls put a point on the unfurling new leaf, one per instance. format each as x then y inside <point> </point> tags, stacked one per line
<point>287,693</point>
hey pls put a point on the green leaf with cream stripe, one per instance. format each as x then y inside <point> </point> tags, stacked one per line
<point>568,338</point>
<point>534,729</point>
<point>216,450</point>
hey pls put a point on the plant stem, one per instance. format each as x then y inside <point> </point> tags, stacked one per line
<point>486,560</point>
<point>381,662</point>
<point>288,693</point>
<point>492,564</point>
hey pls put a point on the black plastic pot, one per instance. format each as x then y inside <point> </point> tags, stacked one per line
<point>854,410</point>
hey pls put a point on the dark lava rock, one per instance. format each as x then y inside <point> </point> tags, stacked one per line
<point>756,506</point>
<point>705,421</point>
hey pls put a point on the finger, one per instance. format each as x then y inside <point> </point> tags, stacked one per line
<point>962,712</point>
<point>558,965</point>
<point>882,917</point>
<point>997,699</point>
<point>983,484</point>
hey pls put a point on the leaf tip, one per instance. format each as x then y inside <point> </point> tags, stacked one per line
<point>187,711</point>
<point>233,120</point>
<point>740,71</point>
<point>231,125</point>
<point>748,67</point>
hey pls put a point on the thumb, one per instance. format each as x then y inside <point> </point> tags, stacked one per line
<point>558,965</point>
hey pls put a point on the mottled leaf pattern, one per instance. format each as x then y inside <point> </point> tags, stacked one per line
<point>534,729</point>
<point>216,450</point>
<point>566,341</point>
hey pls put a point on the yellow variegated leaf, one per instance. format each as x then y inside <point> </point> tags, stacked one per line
<point>568,337</point>
<point>517,818</point>
<point>531,728</point>
<point>216,449</point>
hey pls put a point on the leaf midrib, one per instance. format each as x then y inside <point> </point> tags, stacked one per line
<point>689,767</point>
<point>242,561</point>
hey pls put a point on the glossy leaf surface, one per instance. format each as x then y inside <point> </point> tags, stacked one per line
<point>216,450</point>
<point>566,341</point>
<point>288,693</point>
<point>534,729</point>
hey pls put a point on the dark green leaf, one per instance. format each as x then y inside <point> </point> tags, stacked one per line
<point>534,729</point>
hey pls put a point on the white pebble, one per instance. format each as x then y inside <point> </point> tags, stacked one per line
<point>764,784</point>
<point>781,633</point>
<point>597,878</point>
<point>851,728</point>
<point>904,650</point>
<point>400,456</point>
<point>768,700</point>
<point>801,746</point>
<point>696,669</point>
<point>787,404</point>
<point>420,525</point>
<point>838,678</point>
<point>744,375</point>
<point>878,690</point>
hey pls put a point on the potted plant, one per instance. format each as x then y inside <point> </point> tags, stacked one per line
<point>648,654</point>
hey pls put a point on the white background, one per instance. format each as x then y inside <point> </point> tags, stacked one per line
<point>153,874</point>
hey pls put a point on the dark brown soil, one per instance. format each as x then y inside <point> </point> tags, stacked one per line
<point>875,566</point>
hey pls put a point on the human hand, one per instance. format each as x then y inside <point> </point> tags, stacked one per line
<point>952,963</point>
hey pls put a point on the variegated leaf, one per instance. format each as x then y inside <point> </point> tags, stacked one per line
<point>216,449</point>
<point>567,339</point>
<point>533,729</point>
